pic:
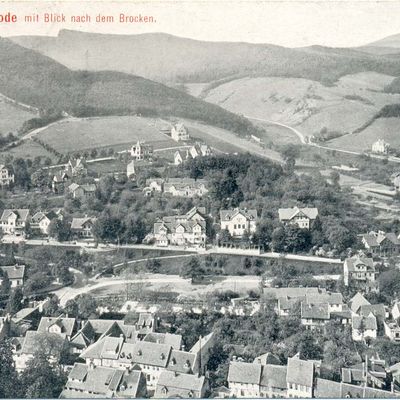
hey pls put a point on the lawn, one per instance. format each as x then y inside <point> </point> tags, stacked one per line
<point>28,149</point>
<point>118,132</point>
<point>12,117</point>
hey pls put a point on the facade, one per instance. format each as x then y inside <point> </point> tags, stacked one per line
<point>76,167</point>
<point>380,147</point>
<point>179,133</point>
<point>364,327</point>
<point>141,151</point>
<point>302,217</point>
<point>188,229</point>
<point>82,192</point>
<point>180,156</point>
<point>15,274</point>
<point>6,176</point>
<point>15,221</point>
<point>360,273</point>
<point>300,378</point>
<point>59,181</point>
<point>238,221</point>
<point>200,150</point>
<point>381,244</point>
<point>83,227</point>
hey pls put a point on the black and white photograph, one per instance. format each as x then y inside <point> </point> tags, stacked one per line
<point>199,199</point>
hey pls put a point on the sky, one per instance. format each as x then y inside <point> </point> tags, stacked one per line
<point>287,23</point>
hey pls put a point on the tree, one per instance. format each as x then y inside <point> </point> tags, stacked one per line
<point>71,308</point>
<point>87,305</point>
<point>192,269</point>
<point>15,302</point>
<point>9,383</point>
<point>60,229</point>
<point>52,307</point>
<point>289,154</point>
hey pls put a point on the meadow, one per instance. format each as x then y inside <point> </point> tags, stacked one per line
<point>12,117</point>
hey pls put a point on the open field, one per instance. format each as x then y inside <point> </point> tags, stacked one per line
<point>28,149</point>
<point>382,128</point>
<point>12,116</point>
<point>118,132</point>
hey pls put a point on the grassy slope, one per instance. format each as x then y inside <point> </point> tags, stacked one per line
<point>34,79</point>
<point>12,117</point>
<point>200,61</point>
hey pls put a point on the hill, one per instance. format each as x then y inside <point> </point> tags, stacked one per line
<point>167,58</point>
<point>31,78</point>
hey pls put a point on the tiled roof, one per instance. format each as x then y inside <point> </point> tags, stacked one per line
<point>375,239</point>
<point>227,215</point>
<point>67,324</point>
<point>292,292</point>
<point>274,376</point>
<point>242,372</point>
<point>154,354</point>
<point>21,213</point>
<point>201,343</point>
<point>40,215</point>
<point>78,223</point>
<point>286,214</point>
<point>187,382</point>
<point>300,372</point>
<point>182,361</point>
<point>354,261</point>
<point>368,322</point>
<point>315,311</point>
<point>14,271</point>
<point>175,341</point>
<point>377,309</point>
<point>357,301</point>
<point>328,297</point>
<point>34,338</point>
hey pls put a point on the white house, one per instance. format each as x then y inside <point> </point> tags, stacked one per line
<point>380,147</point>
<point>130,170</point>
<point>83,227</point>
<point>14,221</point>
<point>82,192</point>
<point>360,273</point>
<point>41,221</point>
<point>6,176</point>
<point>180,156</point>
<point>364,327</point>
<point>179,133</point>
<point>141,151</point>
<point>303,217</point>
<point>185,187</point>
<point>15,274</point>
<point>300,378</point>
<point>238,221</point>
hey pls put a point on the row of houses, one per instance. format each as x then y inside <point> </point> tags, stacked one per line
<point>176,187</point>
<point>266,377</point>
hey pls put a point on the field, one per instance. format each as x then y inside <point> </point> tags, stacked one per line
<point>12,117</point>
<point>28,149</point>
<point>382,128</point>
<point>118,132</point>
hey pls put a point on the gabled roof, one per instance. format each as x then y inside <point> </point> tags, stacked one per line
<point>182,361</point>
<point>40,215</point>
<point>291,292</point>
<point>175,341</point>
<point>189,382</point>
<point>357,301</point>
<point>227,215</point>
<point>365,322</point>
<point>286,214</point>
<point>21,214</point>
<point>274,376</point>
<point>327,297</point>
<point>14,271</point>
<point>378,310</point>
<point>242,372</point>
<point>67,324</point>
<point>300,372</point>
<point>315,311</point>
<point>375,239</point>
<point>33,338</point>
<point>154,354</point>
<point>355,261</point>
<point>79,223</point>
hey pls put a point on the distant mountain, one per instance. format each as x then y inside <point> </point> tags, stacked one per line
<point>389,45</point>
<point>31,78</point>
<point>166,58</point>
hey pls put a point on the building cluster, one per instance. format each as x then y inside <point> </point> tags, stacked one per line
<point>176,187</point>
<point>6,176</point>
<point>380,147</point>
<point>197,150</point>
<point>268,377</point>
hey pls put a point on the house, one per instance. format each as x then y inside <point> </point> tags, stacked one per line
<point>200,150</point>
<point>332,299</point>
<point>15,274</point>
<point>380,147</point>
<point>41,220</point>
<point>180,156</point>
<point>392,330</point>
<point>314,315</point>
<point>15,221</point>
<point>154,185</point>
<point>185,187</point>
<point>238,221</point>
<point>83,227</point>
<point>130,170</point>
<point>82,192</point>
<point>188,229</point>
<point>6,176</point>
<point>58,182</point>
<point>87,381</point>
<point>179,133</point>
<point>302,217</point>
<point>76,167</point>
<point>300,378</point>
<point>65,327</point>
<point>381,244</point>
<point>364,327</point>
<point>141,151</point>
<point>357,301</point>
<point>359,272</point>
<point>244,379</point>
<point>180,385</point>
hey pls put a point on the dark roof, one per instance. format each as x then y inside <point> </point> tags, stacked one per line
<point>274,376</point>
<point>300,372</point>
<point>21,213</point>
<point>315,311</point>
<point>242,372</point>
<point>368,322</point>
<point>227,215</point>
<point>286,214</point>
<point>377,309</point>
<point>356,261</point>
<point>14,271</point>
<point>66,324</point>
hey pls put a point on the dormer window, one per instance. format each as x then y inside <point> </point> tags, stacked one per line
<point>164,390</point>
<point>173,361</point>
<point>123,355</point>
<point>162,356</point>
<point>139,353</point>
<point>190,394</point>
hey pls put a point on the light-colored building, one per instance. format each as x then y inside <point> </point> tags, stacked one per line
<point>15,221</point>
<point>83,227</point>
<point>302,217</point>
<point>179,133</point>
<point>200,150</point>
<point>15,274</point>
<point>187,229</point>
<point>364,327</point>
<point>381,243</point>
<point>82,192</point>
<point>180,157</point>
<point>300,378</point>
<point>154,185</point>
<point>41,221</point>
<point>380,147</point>
<point>76,167</point>
<point>141,151</point>
<point>59,181</point>
<point>238,221</point>
<point>130,170</point>
<point>185,187</point>
<point>6,176</point>
<point>360,273</point>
